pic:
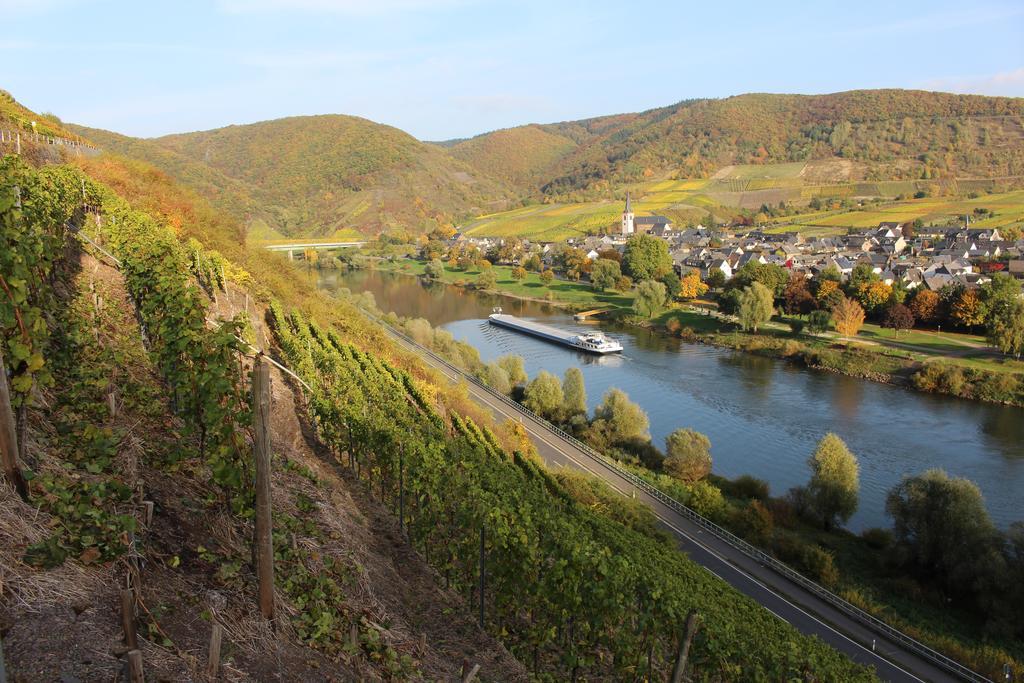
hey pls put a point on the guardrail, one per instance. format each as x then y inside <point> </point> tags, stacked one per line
<point>848,608</point>
<point>17,136</point>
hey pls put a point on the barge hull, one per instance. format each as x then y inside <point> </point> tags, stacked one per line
<point>542,331</point>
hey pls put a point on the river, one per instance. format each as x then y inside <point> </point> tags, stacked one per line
<point>763,416</point>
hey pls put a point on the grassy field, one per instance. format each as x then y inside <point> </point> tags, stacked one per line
<point>574,293</point>
<point>339,235</point>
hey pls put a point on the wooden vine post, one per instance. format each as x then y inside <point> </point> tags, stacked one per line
<point>9,437</point>
<point>261,446</point>
<point>692,623</point>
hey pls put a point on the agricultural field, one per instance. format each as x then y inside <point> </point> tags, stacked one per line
<point>1007,209</point>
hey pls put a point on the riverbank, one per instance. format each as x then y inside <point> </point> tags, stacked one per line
<point>928,365</point>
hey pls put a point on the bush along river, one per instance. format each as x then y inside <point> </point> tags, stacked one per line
<point>764,416</point>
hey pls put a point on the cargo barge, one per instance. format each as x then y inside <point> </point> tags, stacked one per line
<point>594,342</point>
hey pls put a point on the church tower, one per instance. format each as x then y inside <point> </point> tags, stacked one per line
<point>627,218</point>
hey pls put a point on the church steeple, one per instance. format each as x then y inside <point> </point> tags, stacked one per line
<point>627,218</point>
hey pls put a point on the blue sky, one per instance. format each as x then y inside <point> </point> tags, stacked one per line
<point>455,68</point>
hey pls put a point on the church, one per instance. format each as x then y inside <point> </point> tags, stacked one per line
<point>656,225</point>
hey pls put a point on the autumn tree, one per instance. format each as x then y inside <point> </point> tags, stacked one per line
<point>650,298</point>
<point>872,295</point>
<point>687,455</point>
<point>604,273</point>
<point>848,317</point>
<point>646,257</point>
<point>898,317</point>
<point>575,393</point>
<point>543,395</point>
<point>925,306</point>
<point>756,306</point>
<point>796,297</point>
<point>533,263</point>
<point>624,283</point>
<point>829,294</point>
<point>497,378</point>
<point>690,286</point>
<point>518,273</point>
<point>547,276</point>
<point>835,482</point>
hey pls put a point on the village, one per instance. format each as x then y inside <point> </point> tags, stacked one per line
<point>908,254</point>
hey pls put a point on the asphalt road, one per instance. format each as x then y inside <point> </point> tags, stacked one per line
<point>786,600</point>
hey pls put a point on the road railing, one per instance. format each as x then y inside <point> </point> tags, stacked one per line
<point>874,623</point>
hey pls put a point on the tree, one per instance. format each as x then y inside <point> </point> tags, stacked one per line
<point>574,262</point>
<point>774,277</point>
<point>618,419</point>
<point>898,317</point>
<point>533,263</point>
<point>544,395</point>
<point>1011,233</point>
<point>968,310</point>
<point>434,270</point>
<point>646,257</point>
<point>624,283</point>
<point>575,393</point>
<point>518,273</point>
<point>650,297</point>
<point>687,455</point>
<point>513,367</point>
<point>1006,328</point>
<point>829,294</point>
<point>818,322</point>
<point>796,297</point>
<point>673,285</point>
<point>716,279</point>
<point>497,378</point>
<point>873,296</point>
<point>547,276</point>
<point>848,317</point>
<point>690,286</point>
<point>941,526</point>
<point>756,306</point>
<point>487,280</point>
<point>835,483</point>
<point>604,273</point>
<point>925,306</point>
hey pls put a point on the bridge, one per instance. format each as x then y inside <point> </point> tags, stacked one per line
<point>293,247</point>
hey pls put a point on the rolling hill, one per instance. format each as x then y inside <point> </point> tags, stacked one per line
<point>317,175</point>
<point>320,174</point>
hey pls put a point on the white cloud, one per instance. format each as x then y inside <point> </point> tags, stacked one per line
<point>1005,83</point>
<point>335,6</point>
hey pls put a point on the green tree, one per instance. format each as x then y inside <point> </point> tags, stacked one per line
<point>756,306</point>
<point>941,526</point>
<point>687,455</point>
<point>646,257</point>
<point>1006,328</point>
<point>533,263</point>
<point>434,269</point>
<point>575,393</point>
<point>618,419</point>
<point>544,395</point>
<point>487,280</point>
<point>818,322</point>
<point>835,481</point>
<point>774,277</point>
<point>673,285</point>
<point>650,298</point>
<point>716,279</point>
<point>497,378</point>
<point>513,367</point>
<point>604,273</point>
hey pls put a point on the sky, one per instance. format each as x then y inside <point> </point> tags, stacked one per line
<point>442,69</point>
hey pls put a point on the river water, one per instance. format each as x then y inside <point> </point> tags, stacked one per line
<point>763,416</point>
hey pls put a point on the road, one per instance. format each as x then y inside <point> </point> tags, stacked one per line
<point>788,601</point>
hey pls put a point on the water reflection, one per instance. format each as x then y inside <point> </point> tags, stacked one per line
<point>763,416</point>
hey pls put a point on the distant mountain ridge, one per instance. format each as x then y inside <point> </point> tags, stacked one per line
<point>317,174</point>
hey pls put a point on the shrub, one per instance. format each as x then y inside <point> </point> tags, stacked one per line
<point>941,378</point>
<point>820,565</point>
<point>877,538</point>
<point>796,325</point>
<point>687,334</point>
<point>790,348</point>
<point>673,326</point>
<point>705,499</point>
<point>749,487</point>
<point>755,523</point>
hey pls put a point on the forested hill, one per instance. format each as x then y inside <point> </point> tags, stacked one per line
<point>318,174</point>
<point>886,134</point>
